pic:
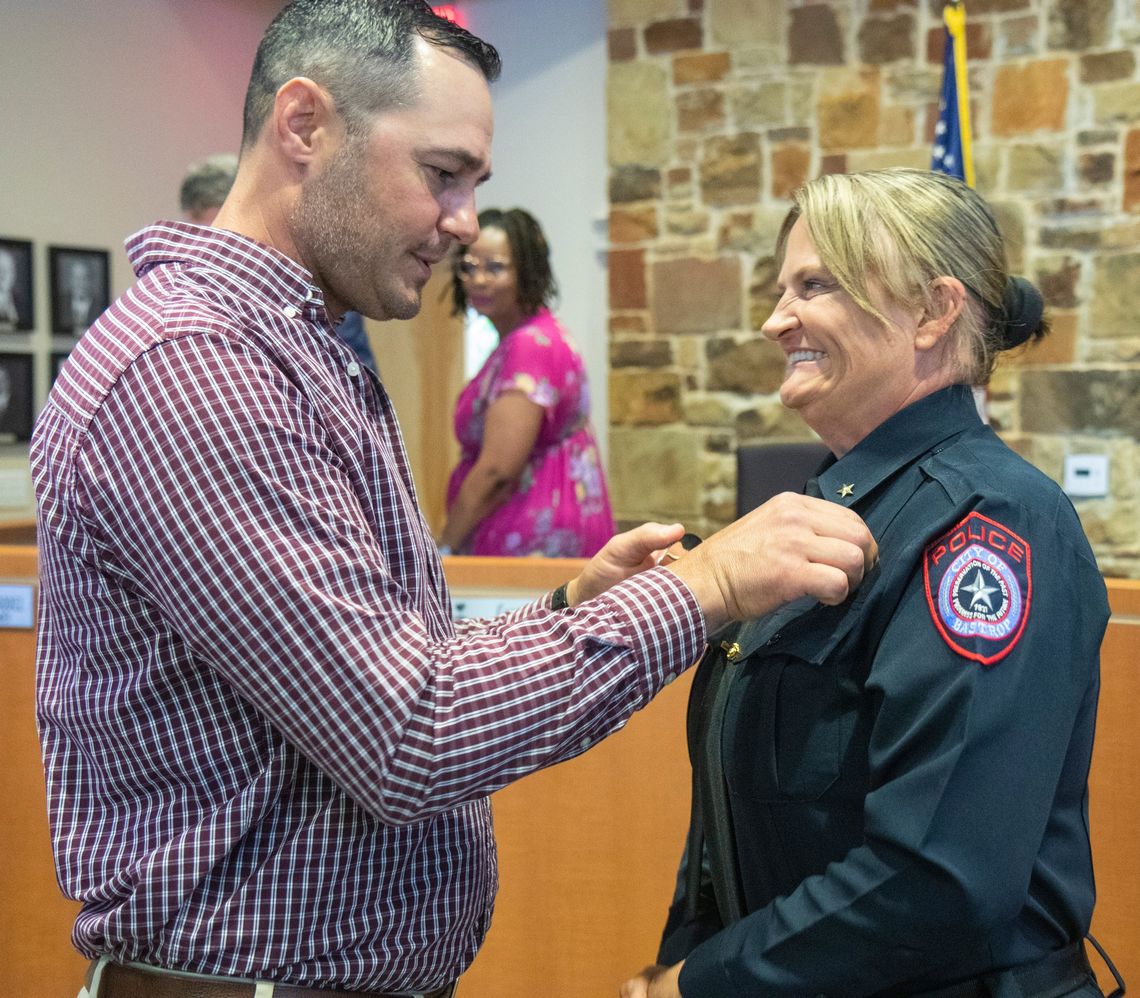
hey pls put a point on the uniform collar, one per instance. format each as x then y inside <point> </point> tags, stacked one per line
<point>908,434</point>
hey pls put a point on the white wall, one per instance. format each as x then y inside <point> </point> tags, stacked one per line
<point>105,103</point>
<point>550,151</point>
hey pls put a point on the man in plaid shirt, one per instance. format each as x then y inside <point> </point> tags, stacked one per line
<point>268,747</point>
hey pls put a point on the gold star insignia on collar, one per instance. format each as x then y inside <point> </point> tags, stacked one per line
<point>845,490</point>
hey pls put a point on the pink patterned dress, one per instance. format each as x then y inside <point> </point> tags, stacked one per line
<point>561,507</point>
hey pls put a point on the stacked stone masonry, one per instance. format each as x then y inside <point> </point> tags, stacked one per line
<point>718,109</point>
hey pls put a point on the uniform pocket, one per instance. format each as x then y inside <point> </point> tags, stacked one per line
<point>784,729</point>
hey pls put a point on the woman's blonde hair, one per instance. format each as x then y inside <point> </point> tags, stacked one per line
<point>895,231</point>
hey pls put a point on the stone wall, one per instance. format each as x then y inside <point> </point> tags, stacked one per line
<point>717,109</point>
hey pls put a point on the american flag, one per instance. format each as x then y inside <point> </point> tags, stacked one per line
<point>952,152</point>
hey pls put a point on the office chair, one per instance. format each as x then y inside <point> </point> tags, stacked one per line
<point>767,469</point>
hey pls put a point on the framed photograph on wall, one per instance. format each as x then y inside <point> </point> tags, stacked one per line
<point>17,308</point>
<point>15,396</point>
<point>80,287</point>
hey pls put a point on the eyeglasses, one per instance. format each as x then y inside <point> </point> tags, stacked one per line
<point>469,268</point>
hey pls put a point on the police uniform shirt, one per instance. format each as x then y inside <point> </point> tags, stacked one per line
<point>903,777</point>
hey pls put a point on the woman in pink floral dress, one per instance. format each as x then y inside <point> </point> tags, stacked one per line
<point>530,479</point>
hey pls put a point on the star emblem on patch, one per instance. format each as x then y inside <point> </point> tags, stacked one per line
<point>978,586</point>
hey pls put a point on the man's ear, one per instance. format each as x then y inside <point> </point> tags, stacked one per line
<point>946,300</point>
<point>305,123</point>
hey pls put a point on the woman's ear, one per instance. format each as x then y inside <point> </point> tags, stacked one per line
<point>304,120</point>
<point>945,302</point>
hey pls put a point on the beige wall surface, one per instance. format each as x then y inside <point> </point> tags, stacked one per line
<point>104,106</point>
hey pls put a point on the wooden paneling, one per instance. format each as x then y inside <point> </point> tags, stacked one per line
<point>588,849</point>
<point>1114,789</point>
<point>35,918</point>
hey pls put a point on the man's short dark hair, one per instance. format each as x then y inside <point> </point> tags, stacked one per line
<point>361,51</point>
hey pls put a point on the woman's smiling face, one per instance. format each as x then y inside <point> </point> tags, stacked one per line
<point>846,372</point>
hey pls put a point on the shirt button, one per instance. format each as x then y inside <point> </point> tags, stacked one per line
<point>291,312</point>
<point>584,744</point>
<point>670,677</point>
<point>353,369</point>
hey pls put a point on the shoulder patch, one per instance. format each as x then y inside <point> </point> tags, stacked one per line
<point>978,587</point>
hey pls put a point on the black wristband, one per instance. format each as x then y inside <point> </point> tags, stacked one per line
<point>558,598</point>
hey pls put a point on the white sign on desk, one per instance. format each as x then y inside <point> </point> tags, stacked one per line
<point>15,488</point>
<point>463,607</point>
<point>18,606</point>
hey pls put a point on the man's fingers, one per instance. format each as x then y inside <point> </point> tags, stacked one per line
<point>851,560</point>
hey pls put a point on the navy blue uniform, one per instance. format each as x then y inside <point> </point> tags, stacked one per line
<point>902,780</point>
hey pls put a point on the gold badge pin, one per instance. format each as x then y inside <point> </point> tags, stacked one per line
<point>731,651</point>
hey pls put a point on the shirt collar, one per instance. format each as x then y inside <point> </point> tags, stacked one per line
<point>907,435</point>
<point>259,269</point>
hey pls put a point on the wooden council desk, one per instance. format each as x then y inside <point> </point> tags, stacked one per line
<point>588,849</point>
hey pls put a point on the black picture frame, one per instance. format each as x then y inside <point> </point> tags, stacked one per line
<point>16,391</point>
<point>17,288</point>
<point>80,287</point>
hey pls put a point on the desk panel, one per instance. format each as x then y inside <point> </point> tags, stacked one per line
<point>588,849</point>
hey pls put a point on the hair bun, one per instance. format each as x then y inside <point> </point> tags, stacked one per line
<point>1022,311</point>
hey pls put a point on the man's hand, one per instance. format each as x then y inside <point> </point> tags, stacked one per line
<point>623,555</point>
<point>792,546</point>
<point>654,982</point>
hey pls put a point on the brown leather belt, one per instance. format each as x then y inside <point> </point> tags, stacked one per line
<point>120,981</point>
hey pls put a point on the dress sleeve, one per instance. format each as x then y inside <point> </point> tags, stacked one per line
<point>534,363</point>
<point>967,759</point>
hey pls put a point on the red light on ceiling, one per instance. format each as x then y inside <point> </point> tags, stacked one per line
<point>451,13</point>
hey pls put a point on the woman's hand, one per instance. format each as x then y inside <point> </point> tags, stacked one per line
<point>654,982</point>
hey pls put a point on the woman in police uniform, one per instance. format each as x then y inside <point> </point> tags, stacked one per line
<point>890,795</point>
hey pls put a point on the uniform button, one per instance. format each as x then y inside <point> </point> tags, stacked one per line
<point>291,312</point>
<point>353,369</point>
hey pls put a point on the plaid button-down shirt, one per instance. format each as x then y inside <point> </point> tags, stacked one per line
<point>267,745</point>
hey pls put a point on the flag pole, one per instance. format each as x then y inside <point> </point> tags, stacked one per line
<point>954,17</point>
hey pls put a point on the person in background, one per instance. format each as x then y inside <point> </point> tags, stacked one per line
<point>203,190</point>
<point>205,187</point>
<point>891,795</point>
<point>530,478</point>
<point>81,301</point>
<point>268,746</point>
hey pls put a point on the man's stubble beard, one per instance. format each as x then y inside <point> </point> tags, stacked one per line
<point>327,218</point>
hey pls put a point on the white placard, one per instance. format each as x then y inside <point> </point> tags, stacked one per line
<point>18,606</point>
<point>15,488</point>
<point>463,607</point>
